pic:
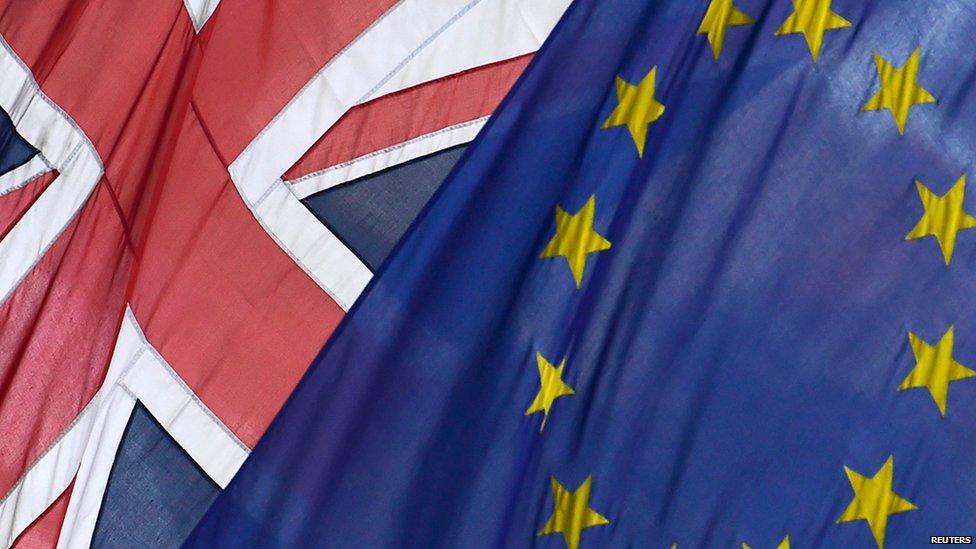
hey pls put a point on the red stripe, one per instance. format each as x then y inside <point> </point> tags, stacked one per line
<point>214,292</point>
<point>59,328</point>
<point>112,65</point>
<point>218,298</point>
<point>101,61</point>
<point>420,110</point>
<point>45,531</point>
<point>15,204</point>
<point>258,55</point>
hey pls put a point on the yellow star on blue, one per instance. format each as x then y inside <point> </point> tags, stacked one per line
<point>576,239</point>
<point>551,387</point>
<point>572,513</point>
<point>900,90</point>
<point>812,19</point>
<point>721,15</point>
<point>874,500</point>
<point>637,108</point>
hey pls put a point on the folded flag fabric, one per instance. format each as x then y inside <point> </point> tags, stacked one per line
<point>704,280</point>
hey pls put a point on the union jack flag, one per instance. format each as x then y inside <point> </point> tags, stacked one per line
<point>167,243</point>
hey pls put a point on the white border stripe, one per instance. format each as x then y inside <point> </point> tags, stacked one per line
<point>19,177</point>
<point>417,147</point>
<point>351,77</point>
<point>149,379</point>
<point>491,32</point>
<point>211,444</point>
<point>65,147</point>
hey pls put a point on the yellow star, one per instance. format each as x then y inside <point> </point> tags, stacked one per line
<point>874,501</point>
<point>935,368</point>
<point>813,18</point>
<point>899,89</point>
<point>575,238</point>
<point>721,15</point>
<point>636,108</point>
<point>572,513</point>
<point>943,217</point>
<point>785,544</point>
<point>551,387</point>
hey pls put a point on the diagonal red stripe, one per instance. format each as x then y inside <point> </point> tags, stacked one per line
<point>420,110</point>
<point>59,328</point>
<point>15,204</point>
<point>43,533</point>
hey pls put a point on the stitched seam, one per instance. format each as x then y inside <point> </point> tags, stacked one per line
<point>389,149</point>
<point>267,192</point>
<point>95,401</point>
<point>28,181</point>
<point>182,384</point>
<point>308,271</point>
<point>419,48</point>
<point>32,83</point>
<point>315,77</point>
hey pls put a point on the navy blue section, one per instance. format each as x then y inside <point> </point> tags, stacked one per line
<point>370,214</point>
<point>14,150</point>
<point>739,345</point>
<point>155,494</point>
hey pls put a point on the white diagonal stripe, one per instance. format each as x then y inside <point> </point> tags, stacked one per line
<point>417,41</point>
<point>200,11</point>
<point>149,379</point>
<point>66,149</point>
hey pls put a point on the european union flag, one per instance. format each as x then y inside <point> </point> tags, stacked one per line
<point>706,279</point>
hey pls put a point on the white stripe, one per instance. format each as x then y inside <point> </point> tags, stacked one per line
<point>211,444</point>
<point>380,160</point>
<point>65,147</point>
<point>68,150</point>
<point>89,446</point>
<point>96,465</point>
<point>492,31</point>
<point>363,67</point>
<point>22,175</point>
<point>149,379</point>
<point>50,475</point>
<point>200,11</point>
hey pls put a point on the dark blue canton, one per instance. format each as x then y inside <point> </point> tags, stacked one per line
<point>14,150</point>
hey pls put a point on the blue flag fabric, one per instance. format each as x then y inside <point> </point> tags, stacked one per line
<point>14,150</point>
<point>705,279</point>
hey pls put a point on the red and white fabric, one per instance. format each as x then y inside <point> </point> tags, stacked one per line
<point>158,249</point>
